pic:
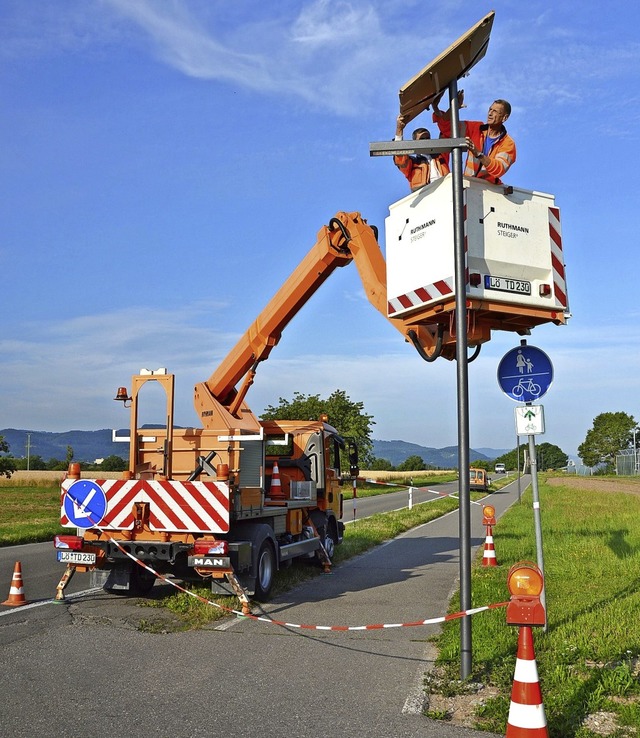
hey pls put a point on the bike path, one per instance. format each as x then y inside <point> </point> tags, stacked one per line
<point>376,676</point>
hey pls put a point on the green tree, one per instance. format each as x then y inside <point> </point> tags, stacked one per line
<point>482,464</point>
<point>114,463</point>
<point>7,463</point>
<point>347,416</point>
<point>69,458</point>
<point>549,456</point>
<point>412,463</point>
<point>510,459</point>
<point>611,433</point>
<point>379,464</point>
<point>36,463</point>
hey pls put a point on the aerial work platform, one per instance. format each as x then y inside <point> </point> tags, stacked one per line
<point>515,275</point>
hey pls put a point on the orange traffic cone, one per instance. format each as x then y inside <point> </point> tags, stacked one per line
<point>276,492</point>
<point>16,591</point>
<point>526,712</point>
<point>489,554</point>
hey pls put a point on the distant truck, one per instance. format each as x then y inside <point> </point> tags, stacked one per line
<point>500,469</point>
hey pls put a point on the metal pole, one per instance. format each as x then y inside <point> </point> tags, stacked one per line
<point>536,514</point>
<point>519,484</point>
<point>462,368</point>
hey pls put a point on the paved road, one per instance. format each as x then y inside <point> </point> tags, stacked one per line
<point>395,500</point>
<point>82,667</point>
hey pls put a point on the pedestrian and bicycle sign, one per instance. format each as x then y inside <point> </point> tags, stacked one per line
<point>525,373</point>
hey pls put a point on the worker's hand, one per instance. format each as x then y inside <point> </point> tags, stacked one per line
<point>401,122</point>
<point>461,99</point>
<point>436,102</point>
<point>472,147</point>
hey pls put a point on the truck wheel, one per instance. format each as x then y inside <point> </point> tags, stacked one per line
<point>266,570</point>
<point>141,581</point>
<point>329,537</point>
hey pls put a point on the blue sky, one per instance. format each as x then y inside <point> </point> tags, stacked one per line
<point>167,164</point>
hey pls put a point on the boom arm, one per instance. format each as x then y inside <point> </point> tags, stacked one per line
<point>347,238</point>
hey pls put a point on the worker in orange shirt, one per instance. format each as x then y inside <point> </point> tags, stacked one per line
<point>419,169</point>
<point>491,150</point>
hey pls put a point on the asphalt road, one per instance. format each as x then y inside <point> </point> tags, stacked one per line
<point>82,667</point>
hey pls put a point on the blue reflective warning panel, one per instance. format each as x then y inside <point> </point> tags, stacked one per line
<point>85,503</point>
<point>525,373</point>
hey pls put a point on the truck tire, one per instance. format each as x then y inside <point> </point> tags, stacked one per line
<point>265,570</point>
<point>141,581</point>
<point>329,536</point>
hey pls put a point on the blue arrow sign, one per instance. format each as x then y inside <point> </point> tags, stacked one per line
<point>525,373</point>
<point>85,503</point>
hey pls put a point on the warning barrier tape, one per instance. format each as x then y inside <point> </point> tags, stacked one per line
<point>284,623</point>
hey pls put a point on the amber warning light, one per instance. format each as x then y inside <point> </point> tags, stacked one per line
<point>525,582</point>
<point>122,396</point>
<point>488,515</point>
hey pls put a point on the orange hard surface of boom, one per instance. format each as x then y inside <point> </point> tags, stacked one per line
<point>218,401</point>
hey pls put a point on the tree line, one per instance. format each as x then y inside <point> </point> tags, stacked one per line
<point>612,432</point>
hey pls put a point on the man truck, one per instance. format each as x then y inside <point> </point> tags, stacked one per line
<point>238,498</point>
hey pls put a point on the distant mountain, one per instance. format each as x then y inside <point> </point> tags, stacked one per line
<point>98,444</point>
<point>86,445</point>
<point>397,451</point>
<point>493,453</point>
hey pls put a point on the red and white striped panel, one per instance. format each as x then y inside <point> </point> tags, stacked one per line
<point>417,298</point>
<point>557,258</point>
<point>194,507</point>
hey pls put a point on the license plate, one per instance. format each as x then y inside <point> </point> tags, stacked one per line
<point>76,557</point>
<point>506,284</point>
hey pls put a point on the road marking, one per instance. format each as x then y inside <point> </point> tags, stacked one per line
<point>40,603</point>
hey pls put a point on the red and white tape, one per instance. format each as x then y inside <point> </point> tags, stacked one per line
<point>300,626</point>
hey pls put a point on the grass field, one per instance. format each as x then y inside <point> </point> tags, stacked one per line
<point>589,658</point>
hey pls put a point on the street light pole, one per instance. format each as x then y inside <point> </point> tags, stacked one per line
<point>462,377</point>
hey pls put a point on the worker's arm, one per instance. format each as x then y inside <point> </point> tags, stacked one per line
<point>500,158</point>
<point>400,125</point>
<point>443,120</point>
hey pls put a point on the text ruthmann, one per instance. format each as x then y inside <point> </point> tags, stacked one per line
<point>424,225</point>
<point>418,231</point>
<point>512,227</point>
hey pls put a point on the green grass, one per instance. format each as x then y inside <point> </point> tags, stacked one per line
<point>588,660</point>
<point>29,514</point>
<point>372,489</point>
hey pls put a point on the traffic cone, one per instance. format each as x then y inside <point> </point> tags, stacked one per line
<point>489,554</point>
<point>16,591</point>
<point>526,712</point>
<point>276,493</point>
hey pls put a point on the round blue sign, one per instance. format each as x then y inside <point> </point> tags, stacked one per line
<point>85,503</point>
<point>525,373</point>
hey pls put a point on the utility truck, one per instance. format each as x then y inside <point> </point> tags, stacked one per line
<point>238,498</point>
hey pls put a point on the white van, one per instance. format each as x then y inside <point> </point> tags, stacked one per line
<point>500,469</point>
